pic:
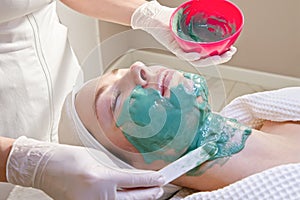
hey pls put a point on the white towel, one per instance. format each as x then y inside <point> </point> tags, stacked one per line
<point>277,105</point>
<point>278,183</point>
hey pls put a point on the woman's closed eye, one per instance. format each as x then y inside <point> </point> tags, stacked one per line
<point>115,100</point>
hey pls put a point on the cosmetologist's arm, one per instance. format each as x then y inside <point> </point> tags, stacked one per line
<point>118,11</point>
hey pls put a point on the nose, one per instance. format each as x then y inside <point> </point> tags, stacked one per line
<point>140,73</point>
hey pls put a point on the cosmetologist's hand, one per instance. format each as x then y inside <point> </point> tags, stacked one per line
<point>67,172</point>
<point>154,19</point>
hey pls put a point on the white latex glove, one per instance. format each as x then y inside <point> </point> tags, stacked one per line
<point>154,19</point>
<point>71,173</point>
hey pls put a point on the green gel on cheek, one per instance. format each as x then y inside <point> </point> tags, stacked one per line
<point>162,128</point>
<point>158,130</point>
<point>166,128</point>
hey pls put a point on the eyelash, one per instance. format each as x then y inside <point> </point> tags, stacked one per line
<point>114,100</point>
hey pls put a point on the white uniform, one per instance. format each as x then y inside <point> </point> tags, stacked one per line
<point>37,69</point>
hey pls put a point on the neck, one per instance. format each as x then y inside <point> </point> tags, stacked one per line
<point>254,158</point>
<point>229,135</point>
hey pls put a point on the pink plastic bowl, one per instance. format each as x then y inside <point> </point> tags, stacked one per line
<point>226,19</point>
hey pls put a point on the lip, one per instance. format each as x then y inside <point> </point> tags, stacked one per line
<point>164,82</point>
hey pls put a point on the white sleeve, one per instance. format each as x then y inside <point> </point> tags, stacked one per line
<point>277,105</point>
<point>12,9</point>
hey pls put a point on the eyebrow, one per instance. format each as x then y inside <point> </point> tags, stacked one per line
<point>114,71</point>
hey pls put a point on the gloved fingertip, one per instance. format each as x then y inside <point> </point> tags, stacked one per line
<point>233,50</point>
<point>192,56</point>
<point>159,193</point>
<point>161,180</point>
<point>213,60</point>
<point>222,59</point>
<point>140,193</point>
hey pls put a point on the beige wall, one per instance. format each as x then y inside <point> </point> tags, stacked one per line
<point>270,40</point>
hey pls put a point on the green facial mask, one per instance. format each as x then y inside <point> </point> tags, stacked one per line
<point>166,128</point>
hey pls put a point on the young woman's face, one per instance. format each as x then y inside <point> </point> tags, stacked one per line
<point>100,103</point>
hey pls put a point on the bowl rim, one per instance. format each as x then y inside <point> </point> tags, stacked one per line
<point>205,43</point>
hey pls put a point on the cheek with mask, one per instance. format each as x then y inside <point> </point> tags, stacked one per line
<point>165,129</point>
